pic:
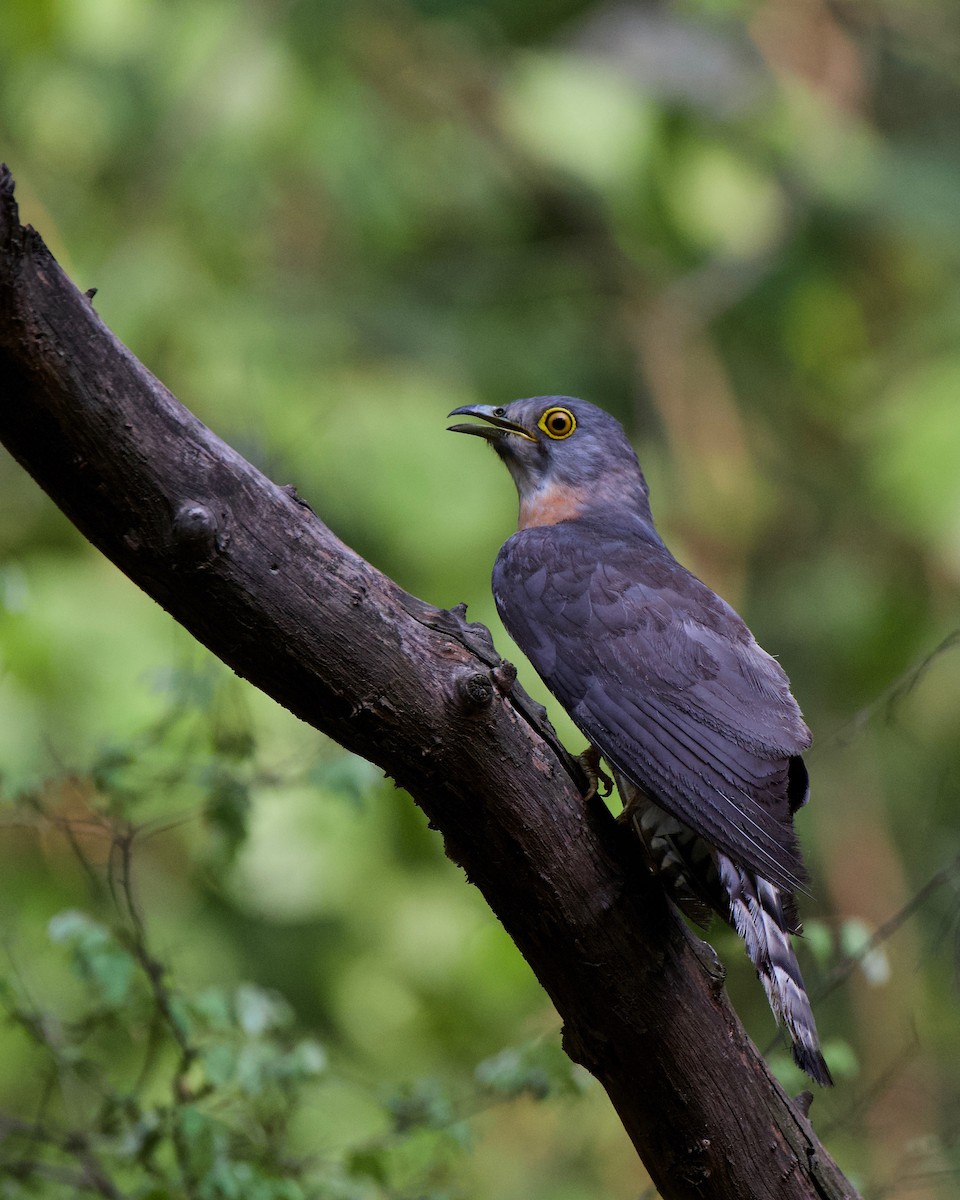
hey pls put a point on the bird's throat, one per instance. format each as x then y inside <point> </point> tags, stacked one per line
<point>551,504</point>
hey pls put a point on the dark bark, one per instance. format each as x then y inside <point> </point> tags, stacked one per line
<point>257,578</point>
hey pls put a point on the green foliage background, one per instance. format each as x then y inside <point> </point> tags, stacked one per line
<point>324,225</point>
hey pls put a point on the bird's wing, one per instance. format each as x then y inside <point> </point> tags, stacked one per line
<point>666,680</point>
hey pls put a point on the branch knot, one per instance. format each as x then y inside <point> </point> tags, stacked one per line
<point>196,531</point>
<point>474,689</point>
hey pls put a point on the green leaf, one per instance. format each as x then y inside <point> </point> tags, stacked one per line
<point>539,1068</point>
<point>818,938</point>
<point>259,1011</point>
<point>306,1060</point>
<point>212,1008</point>
<point>370,1162</point>
<point>424,1102</point>
<point>228,808</point>
<point>97,957</point>
<point>219,1063</point>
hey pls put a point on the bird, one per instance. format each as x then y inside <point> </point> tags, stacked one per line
<point>696,722</point>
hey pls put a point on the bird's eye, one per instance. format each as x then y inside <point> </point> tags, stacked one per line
<point>499,412</point>
<point>557,423</point>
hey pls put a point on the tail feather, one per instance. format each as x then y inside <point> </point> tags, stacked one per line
<point>700,878</point>
<point>757,912</point>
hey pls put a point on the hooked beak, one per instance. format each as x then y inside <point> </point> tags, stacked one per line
<point>497,424</point>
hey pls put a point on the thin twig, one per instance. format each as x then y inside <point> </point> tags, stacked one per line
<point>153,969</point>
<point>892,696</point>
<point>91,1178</point>
<point>842,971</point>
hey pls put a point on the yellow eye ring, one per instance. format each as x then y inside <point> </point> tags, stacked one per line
<point>557,423</point>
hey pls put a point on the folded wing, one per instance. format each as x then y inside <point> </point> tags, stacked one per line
<point>666,680</point>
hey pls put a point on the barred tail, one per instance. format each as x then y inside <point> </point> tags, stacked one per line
<point>757,912</point>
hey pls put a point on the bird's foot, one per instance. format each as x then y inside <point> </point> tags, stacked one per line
<point>634,800</point>
<point>590,761</point>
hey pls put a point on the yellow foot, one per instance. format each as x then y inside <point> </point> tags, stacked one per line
<point>590,761</point>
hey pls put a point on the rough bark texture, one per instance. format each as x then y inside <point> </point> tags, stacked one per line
<point>256,577</point>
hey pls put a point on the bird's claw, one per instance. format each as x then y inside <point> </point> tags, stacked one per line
<point>590,761</point>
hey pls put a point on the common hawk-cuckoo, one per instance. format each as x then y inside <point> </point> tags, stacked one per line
<point>666,681</point>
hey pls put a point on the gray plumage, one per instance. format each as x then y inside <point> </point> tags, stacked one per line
<point>663,677</point>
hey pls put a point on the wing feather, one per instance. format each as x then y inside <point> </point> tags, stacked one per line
<point>665,679</point>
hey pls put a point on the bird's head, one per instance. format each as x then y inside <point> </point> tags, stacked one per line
<point>565,455</point>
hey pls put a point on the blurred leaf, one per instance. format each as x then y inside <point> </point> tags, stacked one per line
<point>97,957</point>
<point>725,206</point>
<point>259,1012</point>
<point>818,939</point>
<point>422,1102</point>
<point>855,937</point>
<point>540,1068</point>
<point>228,808</point>
<point>580,117</point>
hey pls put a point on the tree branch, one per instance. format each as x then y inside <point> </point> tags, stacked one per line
<point>258,579</point>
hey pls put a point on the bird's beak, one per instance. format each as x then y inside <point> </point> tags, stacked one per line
<point>497,425</point>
